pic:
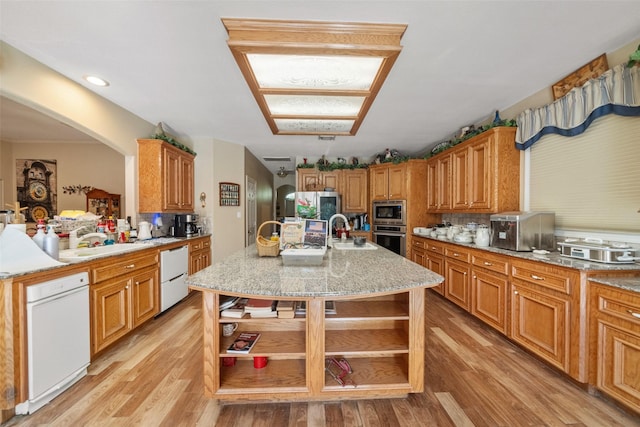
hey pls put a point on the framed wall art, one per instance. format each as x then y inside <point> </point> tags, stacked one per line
<point>229,194</point>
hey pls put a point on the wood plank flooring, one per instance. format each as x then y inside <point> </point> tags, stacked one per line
<point>474,377</point>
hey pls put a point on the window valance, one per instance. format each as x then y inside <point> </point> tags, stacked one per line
<point>616,91</point>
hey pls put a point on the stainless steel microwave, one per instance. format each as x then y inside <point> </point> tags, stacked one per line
<point>390,212</point>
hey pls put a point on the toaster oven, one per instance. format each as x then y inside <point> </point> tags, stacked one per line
<point>523,231</point>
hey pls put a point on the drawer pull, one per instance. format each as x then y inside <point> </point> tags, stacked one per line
<point>534,277</point>
<point>130,266</point>
<point>636,315</point>
<point>488,263</point>
<point>456,254</point>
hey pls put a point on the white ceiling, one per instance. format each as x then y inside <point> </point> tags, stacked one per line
<point>167,61</point>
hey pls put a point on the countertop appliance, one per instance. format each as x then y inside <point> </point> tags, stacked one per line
<point>57,338</point>
<point>184,225</point>
<point>597,250</point>
<point>523,231</point>
<point>317,204</point>
<point>174,268</point>
<point>390,212</point>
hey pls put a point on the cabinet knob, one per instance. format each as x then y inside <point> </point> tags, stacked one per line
<point>126,287</point>
<point>636,315</point>
<point>487,263</point>
<point>137,283</point>
<point>130,266</point>
<point>534,277</point>
<point>515,292</point>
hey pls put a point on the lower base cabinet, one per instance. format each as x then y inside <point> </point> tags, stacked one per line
<point>124,293</point>
<point>199,254</point>
<point>616,341</point>
<point>489,298</point>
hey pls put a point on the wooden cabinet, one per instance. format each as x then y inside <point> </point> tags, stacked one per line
<point>354,191</point>
<point>541,309</point>
<point>311,179</point>
<point>429,254</point>
<point>615,336</point>
<point>388,181</point>
<point>382,337</point>
<point>489,287</point>
<point>199,254</point>
<point>480,175</point>
<point>124,293</point>
<point>102,203</point>
<point>457,286</point>
<point>165,178</point>
<point>439,184</point>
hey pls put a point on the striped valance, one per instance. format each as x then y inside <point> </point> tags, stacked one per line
<point>616,91</point>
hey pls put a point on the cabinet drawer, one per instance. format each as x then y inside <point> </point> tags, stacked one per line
<point>493,263</point>
<point>541,275</point>
<point>420,243</point>
<point>622,305</point>
<point>200,245</point>
<point>123,265</point>
<point>458,253</point>
<point>435,247</point>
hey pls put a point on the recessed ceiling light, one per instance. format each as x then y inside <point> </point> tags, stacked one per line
<point>98,81</point>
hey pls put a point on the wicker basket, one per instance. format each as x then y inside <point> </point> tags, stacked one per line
<point>265,246</point>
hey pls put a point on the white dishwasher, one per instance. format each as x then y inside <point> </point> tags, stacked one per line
<point>57,338</point>
<point>174,268</point>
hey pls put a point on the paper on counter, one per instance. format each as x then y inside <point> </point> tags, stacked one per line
<point>20,254</point>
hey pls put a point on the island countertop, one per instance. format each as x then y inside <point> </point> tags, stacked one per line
<point>343,274</point>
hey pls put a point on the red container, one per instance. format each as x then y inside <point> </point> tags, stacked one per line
<point>259,362</point>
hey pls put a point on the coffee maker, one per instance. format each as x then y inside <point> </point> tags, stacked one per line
<point>185,225</point>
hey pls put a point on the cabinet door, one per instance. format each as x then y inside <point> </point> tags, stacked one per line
<point>456,287</point>
<point>618,362</point>
<point>435,263</point>
<point>172,181</point>
<point>489,298</point>
<point>480,179</point>
<point>461,173</point>
<point>397,182</point>
<point>444,183</point>
<point>432,185</point>
<point>186,189</point>
<point>331,179</point>
<point>145,300</point>
<point>307,179</point>
<point>540,322</point>
<point>354,193</point>
<point>111,314</point>
<point>379,182</point>
<point>419,256</point>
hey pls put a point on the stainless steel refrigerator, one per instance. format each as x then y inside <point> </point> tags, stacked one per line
<point>317,204</point>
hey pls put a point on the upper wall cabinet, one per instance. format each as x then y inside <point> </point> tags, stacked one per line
<point>388,181</point>
<point>312,179</point>
<point>480,175</point>
<point>354,191</point>
<point>165,177</point>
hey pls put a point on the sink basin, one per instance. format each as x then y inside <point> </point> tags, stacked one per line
<point>350,246</point>
<point>95,252</point>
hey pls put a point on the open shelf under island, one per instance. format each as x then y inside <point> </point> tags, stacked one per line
<point>379,326</point>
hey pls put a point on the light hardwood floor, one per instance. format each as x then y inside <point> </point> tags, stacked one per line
<point>474,377</point>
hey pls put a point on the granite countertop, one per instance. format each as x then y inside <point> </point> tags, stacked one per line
<point>131,247</point>
<point>627,283</point>
<point>343,273</point>
<point>553,258</point>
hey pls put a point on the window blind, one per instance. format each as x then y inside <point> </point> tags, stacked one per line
<point>591,181</point>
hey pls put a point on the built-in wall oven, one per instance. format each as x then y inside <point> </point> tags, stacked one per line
<point>392,237</point>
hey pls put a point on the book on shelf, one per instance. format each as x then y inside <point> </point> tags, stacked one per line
<point>285,305</point>
<point>264,314</point>
<point>256,305</point>
<point>244,342</point>
<point>286,314</point>
<point>329,307</point>
<point>236,310</point>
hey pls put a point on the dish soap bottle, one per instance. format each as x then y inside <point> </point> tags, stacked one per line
<point>40,235</point>
<point>51,244</point>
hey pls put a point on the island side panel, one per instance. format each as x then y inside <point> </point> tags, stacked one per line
<point>211,342</point>
<point>416,339</point>
<point>315,346</point>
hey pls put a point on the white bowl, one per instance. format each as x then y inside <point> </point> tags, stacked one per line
<point>441,231</point>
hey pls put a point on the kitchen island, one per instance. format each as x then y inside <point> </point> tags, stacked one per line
<point>379,326</point>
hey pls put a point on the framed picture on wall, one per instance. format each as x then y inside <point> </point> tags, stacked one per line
<point>229,194</point>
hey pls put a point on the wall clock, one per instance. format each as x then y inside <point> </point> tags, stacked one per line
<point>38,191</point>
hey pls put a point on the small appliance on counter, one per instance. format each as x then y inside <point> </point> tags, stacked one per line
<point>185,225</point>
<point>597,250</point>
<point>523,231</point>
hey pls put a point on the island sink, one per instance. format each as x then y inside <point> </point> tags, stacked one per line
<point>95,252</point>
<point>351,246</point>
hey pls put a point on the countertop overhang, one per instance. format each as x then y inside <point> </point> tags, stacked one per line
<point>343,274</point>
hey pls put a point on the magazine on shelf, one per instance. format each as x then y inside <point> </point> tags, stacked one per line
<point>244,342</point>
